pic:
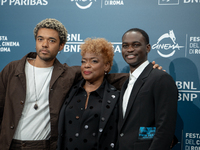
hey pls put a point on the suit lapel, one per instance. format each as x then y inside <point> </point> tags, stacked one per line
<point>110,98</point>
<point>121,119</point>
<point>136,88</point>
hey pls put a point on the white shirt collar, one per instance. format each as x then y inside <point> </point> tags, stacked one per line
<point>136,73</point>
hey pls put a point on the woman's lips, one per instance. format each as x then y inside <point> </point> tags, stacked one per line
<point>87,72</point>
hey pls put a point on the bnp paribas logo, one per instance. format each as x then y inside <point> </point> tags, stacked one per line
<point>166,45</point>
<point>168,2</point>
<point>83,4</point>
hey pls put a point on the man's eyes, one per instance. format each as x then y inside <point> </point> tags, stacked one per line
<point>124,46</point>
<point>52,41</point>
<point>136,45</point>
<point>133,45</point>
<point>39,39</point>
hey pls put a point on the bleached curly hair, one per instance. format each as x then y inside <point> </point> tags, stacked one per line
<point>99,46</point>
<point>52,24</point>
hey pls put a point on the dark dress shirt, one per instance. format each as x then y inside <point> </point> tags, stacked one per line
<point>83,123</point>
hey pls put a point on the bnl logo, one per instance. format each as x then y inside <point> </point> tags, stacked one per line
<point>168,2</point>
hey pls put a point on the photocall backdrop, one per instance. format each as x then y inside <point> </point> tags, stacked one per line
<point>173,27</point>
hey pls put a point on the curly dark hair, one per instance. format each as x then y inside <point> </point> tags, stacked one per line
<point>52,24</point>
<point>99,46</point>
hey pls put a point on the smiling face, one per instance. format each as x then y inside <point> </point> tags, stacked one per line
<point>134,49</point>
<point>47,44</point>
<point>93,67</point>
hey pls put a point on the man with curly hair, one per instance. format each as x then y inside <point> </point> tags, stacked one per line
<point>32,91</point>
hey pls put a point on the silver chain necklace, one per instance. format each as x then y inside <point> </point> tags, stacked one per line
<point>37,96</point>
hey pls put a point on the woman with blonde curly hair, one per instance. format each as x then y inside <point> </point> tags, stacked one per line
<point>88,118</point>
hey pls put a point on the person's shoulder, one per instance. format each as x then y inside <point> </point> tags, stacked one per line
<point>111,87</point>
<point>71,67</point>
<point>158,72</point>
<point>161,76</point>
<point>9,70</point>
<point>16,64</point>
<point>12,65</point>
<point>72,72</point>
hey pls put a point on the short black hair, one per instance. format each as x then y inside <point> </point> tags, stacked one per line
<point>145,35</point>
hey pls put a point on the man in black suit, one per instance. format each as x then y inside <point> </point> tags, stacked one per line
<point>148,103</point>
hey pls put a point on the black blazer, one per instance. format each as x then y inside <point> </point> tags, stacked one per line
<point>152,103</point>
<point>107,136</point>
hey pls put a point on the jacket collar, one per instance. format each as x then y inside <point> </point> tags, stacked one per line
<point>57,71</point>
<point>20,69</point>
<point>99,91</point>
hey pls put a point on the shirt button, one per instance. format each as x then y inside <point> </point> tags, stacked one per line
<point>77,134</point>
<point>121,134</point>
<point>22,102</point>
<point>86,126</point>
<point>100,130</point>
<point>94,134</point>
<point>108,101</point>
<point>112,145</point>
<point>102,119</point>
<point>77,117</point>
<point>12,127</point>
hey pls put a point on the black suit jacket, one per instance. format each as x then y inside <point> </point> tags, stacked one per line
<point>107,135</point>
<point>152,103</point>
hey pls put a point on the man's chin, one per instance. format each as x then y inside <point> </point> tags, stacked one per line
<point>130,62</point>
<point>46,58</point>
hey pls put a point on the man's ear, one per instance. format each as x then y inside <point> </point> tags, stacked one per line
<point>61,46</point>
<point>148,48</point>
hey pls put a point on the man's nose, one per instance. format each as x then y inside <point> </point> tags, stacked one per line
<point>45,43</point>
<point>130,48</point>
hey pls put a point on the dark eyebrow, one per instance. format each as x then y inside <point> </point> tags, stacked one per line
<point>52,38</point>
<point>131,42</point>
<point>49,37</point>
<point>39,36</point>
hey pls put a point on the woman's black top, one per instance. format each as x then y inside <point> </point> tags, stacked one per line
<point>81,126</point>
